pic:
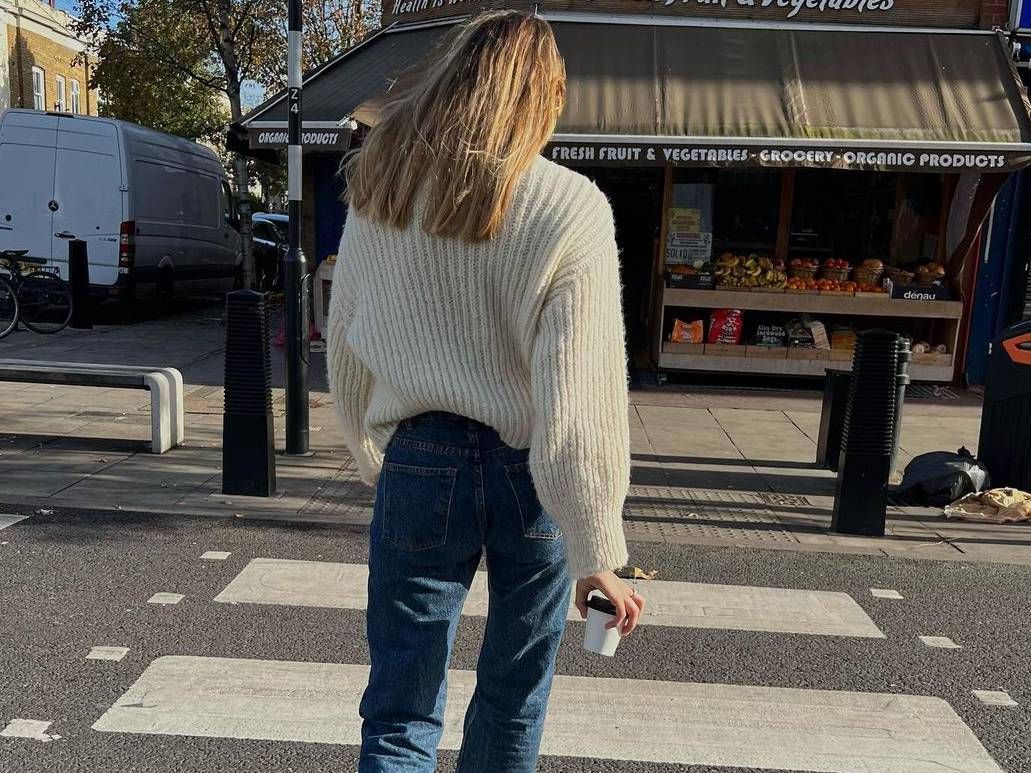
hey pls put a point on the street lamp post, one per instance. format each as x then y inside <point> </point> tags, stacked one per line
<point>296,281</point>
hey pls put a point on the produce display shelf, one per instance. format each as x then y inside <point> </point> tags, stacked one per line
<point>862,304</point>
<point>784,367</point>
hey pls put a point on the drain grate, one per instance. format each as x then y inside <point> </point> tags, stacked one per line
<point>783,500</point>
<point>930,392</point>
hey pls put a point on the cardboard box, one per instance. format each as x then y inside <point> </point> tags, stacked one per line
<point>726,350</point>
<point>840,355</point>
<point>669,347</point>
<point>802,353</point>
<point>769,352</point>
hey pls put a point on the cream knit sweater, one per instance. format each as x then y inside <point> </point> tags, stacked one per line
<point>523,333</point>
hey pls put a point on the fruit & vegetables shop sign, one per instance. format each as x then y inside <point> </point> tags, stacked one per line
<point>910,13</point>
<point>887,158</point>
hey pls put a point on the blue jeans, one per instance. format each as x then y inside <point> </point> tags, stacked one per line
<point>449,490</point>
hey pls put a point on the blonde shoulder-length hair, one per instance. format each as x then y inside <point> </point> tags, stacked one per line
<point>465,123</point>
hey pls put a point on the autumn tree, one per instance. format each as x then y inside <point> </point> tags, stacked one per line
<point>330,26</point>
<point>212,47</point>
<point>146,91</point>
<point>212,44</point>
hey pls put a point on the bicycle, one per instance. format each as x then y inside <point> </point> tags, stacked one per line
<point>38,297</point>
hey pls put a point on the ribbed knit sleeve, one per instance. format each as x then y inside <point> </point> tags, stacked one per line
<point>580,447</point>
<point>350,382</point>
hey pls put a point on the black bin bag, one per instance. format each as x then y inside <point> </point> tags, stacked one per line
<point>940,478</point>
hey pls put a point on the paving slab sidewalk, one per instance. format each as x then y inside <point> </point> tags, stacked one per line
<point>710,466</point>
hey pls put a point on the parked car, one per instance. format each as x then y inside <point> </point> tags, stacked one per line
<point>269,233</point>
<point>155,211</point>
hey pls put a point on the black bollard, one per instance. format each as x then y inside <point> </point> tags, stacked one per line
<point>860,497</point>
<point>832,419</point>
<point>248,435</point>
<point>78,283</point>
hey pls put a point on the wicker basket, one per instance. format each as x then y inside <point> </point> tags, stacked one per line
<point>801,272</point>
<point>837,274</point>
<point>867,276</point>
<point>899,276</point>
<point>925,277</point>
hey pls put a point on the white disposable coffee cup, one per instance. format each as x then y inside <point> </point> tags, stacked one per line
<point>598,638</point>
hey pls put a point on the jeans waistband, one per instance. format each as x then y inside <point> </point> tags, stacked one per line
<point>437,417</point>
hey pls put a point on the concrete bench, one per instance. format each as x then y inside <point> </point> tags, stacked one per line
<point>167,416</point>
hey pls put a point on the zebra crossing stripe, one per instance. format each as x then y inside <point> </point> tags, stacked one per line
<point>674,723</point>
<point>675,604</point>
<point>7,519</point>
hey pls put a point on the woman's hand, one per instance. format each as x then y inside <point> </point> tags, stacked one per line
<point>628,602</point>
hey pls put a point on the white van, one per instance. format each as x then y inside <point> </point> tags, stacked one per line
<point>155,211</point>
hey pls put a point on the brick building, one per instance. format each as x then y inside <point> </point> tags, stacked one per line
<point>40,62</point>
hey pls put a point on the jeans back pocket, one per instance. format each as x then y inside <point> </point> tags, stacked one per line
<point>537,524</point>
<point>416,504</point>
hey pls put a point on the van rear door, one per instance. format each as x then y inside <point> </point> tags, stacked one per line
<point>88,190</point>
<point>27,161</point>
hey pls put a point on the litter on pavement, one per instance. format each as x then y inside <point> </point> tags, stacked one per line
<point>997,505</point>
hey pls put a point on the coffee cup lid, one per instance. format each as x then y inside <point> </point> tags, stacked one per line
<point>601,604</point>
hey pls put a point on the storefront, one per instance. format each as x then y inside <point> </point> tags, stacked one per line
<point>757,155</point>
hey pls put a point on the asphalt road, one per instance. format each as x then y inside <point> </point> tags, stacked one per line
<point>72,579</point>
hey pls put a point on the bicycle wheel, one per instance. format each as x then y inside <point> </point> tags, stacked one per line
<point>8,307</point>
<point>45,302</point>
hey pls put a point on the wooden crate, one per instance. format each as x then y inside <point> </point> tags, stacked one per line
<point>770,352</point>
<point>669,347</point>
<point>801,353</point>
<point>932,358</point>
<point>726,350</point>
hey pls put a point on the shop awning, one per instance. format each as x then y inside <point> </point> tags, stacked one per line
<point>643,92</point>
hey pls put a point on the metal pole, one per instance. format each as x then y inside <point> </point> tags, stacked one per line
<point>295,279</point>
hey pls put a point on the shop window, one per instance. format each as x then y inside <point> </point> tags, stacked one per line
<point>918,220</point>
<point>76,107</point>
<point>745,204</point>
<point>59,102</point>
<point>39,89</point>
<point>842,214</point>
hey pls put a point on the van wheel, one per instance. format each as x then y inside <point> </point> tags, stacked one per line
<point>164,294</point>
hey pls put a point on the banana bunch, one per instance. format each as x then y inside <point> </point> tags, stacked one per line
<point>753,271</point>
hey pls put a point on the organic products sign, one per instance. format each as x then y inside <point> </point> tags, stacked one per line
<point>311,139</point>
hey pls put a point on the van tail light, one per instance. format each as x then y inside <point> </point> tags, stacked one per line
<point>126,246</point>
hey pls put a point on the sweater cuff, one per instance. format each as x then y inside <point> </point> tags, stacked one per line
<point>369,462</point>
<point>597,550</point>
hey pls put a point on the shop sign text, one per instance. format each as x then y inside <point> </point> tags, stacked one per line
<point>830,158</point>
<point>942,13</point>
<point>314,138</point>
<point>790,8</point>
